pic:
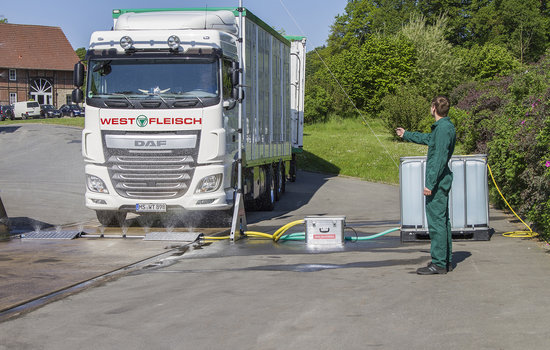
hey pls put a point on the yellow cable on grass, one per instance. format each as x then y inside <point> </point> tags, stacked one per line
<point>514,234</point>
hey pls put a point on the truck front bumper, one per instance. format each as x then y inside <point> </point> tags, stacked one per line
<point>221,199</point>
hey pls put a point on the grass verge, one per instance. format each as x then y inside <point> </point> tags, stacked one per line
<point>348,147</point>
<point>68,121</point>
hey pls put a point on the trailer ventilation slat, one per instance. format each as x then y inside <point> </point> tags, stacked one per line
<point>146,174</point>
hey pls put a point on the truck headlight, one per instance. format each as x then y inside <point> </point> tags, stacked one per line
<point>209,183</point>
<point>95,184</point>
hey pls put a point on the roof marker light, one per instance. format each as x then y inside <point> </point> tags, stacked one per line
<point>126,42</point>
<point>173,42</point>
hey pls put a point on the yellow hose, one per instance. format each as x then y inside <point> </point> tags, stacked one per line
<point>258,234</point>
<point>514,234</point>
<point>215,238</point>
<point>283,229</point>
<point>274,236</point>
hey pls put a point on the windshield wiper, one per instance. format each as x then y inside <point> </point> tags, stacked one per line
<point>196,96</point>
<point>127,99</point>
<point>163,100</point>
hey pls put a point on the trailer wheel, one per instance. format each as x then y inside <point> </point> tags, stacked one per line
<point>267,199</point>
<point>110,217</point>
<point>282,175</point>
<point>278,181</point>
<point>293,168</point>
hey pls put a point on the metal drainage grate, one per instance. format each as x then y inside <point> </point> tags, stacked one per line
<point>172,236</point>
<point>62,234</point>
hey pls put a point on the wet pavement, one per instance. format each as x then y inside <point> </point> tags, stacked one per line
<point>258,294</point>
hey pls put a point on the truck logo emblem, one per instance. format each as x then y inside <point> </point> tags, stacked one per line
<point>142,121</point>
<point>159,143</point>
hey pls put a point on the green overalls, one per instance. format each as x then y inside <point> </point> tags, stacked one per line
<point>439,178</point>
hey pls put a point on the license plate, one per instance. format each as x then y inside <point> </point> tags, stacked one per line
<point>150,207</point>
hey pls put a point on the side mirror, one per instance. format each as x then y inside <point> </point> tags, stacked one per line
<point>235,73</point>
<point>229,104</point>
<point>78,74</point>
<point>77,96</point>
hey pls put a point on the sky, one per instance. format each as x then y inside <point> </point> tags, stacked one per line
<point>78,19</point>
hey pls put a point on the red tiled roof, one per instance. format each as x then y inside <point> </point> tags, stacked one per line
<point>35,47</point>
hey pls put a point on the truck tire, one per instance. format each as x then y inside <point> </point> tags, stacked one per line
<point>267,199</point>
<point>293,168</point>
<point>110,217</point>
<point>282,174</point>
<point>278,181</point>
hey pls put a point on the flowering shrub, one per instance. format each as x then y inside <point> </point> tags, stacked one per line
<point>509,120</point>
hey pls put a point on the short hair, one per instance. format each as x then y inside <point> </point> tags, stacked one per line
<point>442,105</point>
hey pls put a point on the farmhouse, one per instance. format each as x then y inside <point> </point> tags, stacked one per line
<point>36,63</point>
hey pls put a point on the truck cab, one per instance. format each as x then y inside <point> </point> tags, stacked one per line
<point>162,124</point>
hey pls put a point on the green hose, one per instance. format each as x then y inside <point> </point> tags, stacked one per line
<point>365,238</point>
<point>300,236</point>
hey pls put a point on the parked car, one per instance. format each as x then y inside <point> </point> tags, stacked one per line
<point>26,109</point>
<point>49,111</point>
<point>70,110</point>
<point>6,112</point>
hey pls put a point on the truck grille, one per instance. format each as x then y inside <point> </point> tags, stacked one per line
<point>162,174</point>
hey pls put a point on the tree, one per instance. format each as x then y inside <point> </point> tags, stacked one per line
<point>3,19</point>
<point>488,61</point>
<point>521,27</point>
<point>371,71</point>
<point>81,53</point>
<point>457,13</point>
<point>437,67</point>
<point>363,18</point>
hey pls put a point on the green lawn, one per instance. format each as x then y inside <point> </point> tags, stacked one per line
<point>77,121</point>
<point>348,147</point>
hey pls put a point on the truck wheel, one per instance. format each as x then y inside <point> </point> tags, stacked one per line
<point>278,182</point>
<point>110,217</point>
<point>267,200</point>
<point>293,169</point>
<point>283,177</point>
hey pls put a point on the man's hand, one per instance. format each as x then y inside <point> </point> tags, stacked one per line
<point>427,192</point>
<point>400,132</point>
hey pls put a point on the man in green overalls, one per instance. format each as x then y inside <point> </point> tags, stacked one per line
<point>439,178</point>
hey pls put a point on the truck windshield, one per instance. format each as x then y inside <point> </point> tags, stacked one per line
<point>162,79</point>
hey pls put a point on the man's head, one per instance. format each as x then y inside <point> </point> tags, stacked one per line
<point>440,106</point>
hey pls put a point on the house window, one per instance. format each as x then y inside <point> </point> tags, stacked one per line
<point>69,99</point>
<point>13,97</point>
<point>13,75</point>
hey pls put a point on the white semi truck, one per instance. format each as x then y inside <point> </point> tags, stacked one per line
<point>165,90</point>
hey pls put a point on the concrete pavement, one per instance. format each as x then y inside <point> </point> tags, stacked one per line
<point>256,294</point>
